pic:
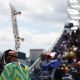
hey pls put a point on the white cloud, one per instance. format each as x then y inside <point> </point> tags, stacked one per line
<point>35,7</point>
<point>6,34</point>
<point>39,39</point>
<point>45,39</point>
<point>2,17</point>
<point>44,12</point>
<point>32,38</point>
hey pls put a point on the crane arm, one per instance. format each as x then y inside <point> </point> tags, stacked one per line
<point>14,13</point>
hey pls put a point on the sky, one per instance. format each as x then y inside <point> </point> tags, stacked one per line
<point>40,24</point>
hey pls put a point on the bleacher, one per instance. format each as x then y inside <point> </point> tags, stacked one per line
<point>65,64</point>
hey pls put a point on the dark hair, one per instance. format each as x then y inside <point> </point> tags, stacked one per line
<point>5,55</point>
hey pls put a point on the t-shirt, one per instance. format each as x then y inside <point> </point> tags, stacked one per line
<point>15,71</point>
<point>67,76</point>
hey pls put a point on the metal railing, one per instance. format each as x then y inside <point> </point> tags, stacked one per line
<point>36,63</point>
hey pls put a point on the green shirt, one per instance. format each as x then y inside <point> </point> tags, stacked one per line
<point>15,71</point>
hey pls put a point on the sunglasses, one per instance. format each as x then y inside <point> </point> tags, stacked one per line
<point>11,56</point>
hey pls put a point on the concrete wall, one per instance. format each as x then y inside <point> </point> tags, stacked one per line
<point>35,53</point>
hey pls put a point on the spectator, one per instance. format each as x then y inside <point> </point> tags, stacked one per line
<point>13,70</point>
<point>58,74</point>
<point>66,75</point>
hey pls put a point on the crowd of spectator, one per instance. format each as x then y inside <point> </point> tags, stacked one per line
<point>64,62</point>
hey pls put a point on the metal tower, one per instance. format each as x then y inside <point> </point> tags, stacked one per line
<point>17,38</point>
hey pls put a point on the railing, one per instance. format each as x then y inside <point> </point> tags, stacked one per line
<point>36,63</point>
<point>53,45</point>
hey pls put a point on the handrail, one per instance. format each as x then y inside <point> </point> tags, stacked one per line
<point>34,64</point>
<point>50,49</point>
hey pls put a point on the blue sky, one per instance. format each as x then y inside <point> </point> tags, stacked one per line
<point>40,23</point>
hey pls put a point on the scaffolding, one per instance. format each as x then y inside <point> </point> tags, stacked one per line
<point>73,12</point>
